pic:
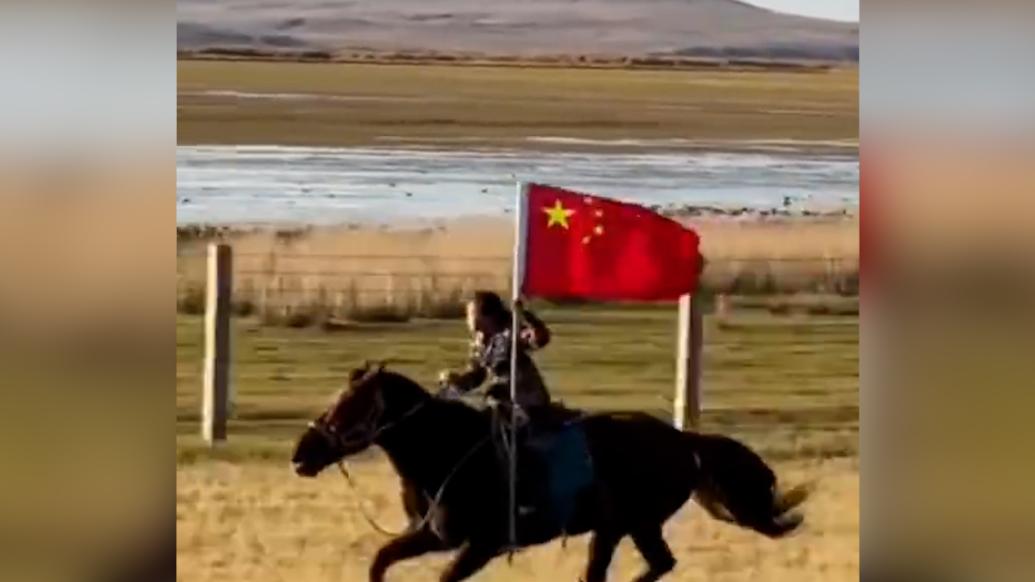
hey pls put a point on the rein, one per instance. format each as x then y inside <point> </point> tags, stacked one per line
<point>368,439</point>
<point>435,501</point>
<point>363,508</point>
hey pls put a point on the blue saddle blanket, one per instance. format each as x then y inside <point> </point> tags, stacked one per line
<point>564,452</point>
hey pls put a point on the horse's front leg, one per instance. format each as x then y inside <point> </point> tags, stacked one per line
<point>415,503</point>
<point>473,557</point>
<point>409,545</point>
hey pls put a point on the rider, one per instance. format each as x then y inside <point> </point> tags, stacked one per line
<point>489,322</point>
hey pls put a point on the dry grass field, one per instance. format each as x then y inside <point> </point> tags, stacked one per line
<point>258,522</point>
<point>788,385</point>
<point>312,276</point>
<point>221,102</point>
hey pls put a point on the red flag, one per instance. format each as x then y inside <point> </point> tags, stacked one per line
<point>587,247</point>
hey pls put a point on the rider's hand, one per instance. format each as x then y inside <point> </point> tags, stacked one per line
<point>449,392</point>
<point>447,377</point>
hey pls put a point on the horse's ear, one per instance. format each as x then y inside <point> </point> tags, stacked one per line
<point>356,374</point>
<point>381,365</point>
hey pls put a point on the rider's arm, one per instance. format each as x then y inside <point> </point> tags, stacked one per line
<point>536,335</point>
<point>470,378</point>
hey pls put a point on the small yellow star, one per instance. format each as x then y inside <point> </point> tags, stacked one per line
<point>557,214</point>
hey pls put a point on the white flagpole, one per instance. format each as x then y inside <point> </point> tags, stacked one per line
<point>520,237</point>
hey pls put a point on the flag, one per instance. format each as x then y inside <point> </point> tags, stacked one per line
<point>578,246</point>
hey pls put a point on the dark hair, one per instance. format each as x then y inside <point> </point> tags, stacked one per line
<point>490,305</point>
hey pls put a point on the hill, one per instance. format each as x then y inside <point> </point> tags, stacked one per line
<point>693,28</point>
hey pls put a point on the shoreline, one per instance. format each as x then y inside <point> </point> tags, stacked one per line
<point>533,144</point>
<point>732,215</point>
<point>551,61</point>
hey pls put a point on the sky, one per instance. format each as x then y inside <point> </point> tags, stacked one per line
<point>847,10</point>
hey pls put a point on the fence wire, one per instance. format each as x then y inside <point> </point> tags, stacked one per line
<point>319,287</point>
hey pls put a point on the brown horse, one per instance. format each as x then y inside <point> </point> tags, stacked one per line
<point>644,470</point>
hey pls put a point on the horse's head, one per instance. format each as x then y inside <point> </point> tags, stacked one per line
<point>373,402</point>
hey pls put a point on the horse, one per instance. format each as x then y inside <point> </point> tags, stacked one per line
<point>457,495</point>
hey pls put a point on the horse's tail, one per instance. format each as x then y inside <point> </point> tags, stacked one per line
<point>737,486</point>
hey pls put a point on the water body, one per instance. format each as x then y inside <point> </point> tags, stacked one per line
<point>277,184</point>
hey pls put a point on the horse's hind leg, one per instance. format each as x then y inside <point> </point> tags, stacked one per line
<point>651,544</point>
<point>601,550</point>
<point>409,545</point>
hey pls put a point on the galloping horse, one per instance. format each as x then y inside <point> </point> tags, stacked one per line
<point>644,470</point>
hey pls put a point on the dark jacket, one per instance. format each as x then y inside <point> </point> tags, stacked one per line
<point>490,360</point>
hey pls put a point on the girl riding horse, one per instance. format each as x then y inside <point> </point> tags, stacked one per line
<point>489,322</point>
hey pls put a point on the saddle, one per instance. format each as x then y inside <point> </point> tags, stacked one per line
<point>554,463</point>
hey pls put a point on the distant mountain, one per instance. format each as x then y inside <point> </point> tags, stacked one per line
<point>719,28</point>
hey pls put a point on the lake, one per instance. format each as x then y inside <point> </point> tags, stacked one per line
<point>277,184</point>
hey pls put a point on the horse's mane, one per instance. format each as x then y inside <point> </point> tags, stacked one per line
<point>399,380</point>
<point>395,381</point>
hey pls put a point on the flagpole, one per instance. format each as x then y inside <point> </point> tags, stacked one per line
<point>520,237</point>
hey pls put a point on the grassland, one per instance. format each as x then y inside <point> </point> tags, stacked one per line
<point>360,104</point>
<point>259,523</point>
<point>788,385</point>
<point>783,380</point>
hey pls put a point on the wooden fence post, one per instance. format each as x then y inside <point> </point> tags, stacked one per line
<point>690,341</point>
<point>722,306</point>
<point>216,390</point>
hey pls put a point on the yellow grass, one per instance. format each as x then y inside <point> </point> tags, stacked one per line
<point>258,522</point>
<point>502,106</point>
<point>352,272</point>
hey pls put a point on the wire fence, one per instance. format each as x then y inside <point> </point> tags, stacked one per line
<point>301,289</point>
<point>284,376</point>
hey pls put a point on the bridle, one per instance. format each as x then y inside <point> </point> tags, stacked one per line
<point>369,431</point>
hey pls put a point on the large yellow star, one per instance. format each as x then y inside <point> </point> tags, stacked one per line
<point>557,214</point>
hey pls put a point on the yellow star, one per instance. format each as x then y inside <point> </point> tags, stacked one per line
<point>557,214</point>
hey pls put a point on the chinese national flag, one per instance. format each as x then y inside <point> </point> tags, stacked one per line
<point>587,247</point>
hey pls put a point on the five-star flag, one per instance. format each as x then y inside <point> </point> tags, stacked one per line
<point>578,246</point>
<point>558,214</point>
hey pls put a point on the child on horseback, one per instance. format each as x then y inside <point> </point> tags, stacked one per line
<point>546,500</point>
<point>489,322</point>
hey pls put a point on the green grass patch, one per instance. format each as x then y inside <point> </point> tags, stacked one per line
<point>788,384</point>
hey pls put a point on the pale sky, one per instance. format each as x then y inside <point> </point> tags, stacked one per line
<point>847,10</point>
